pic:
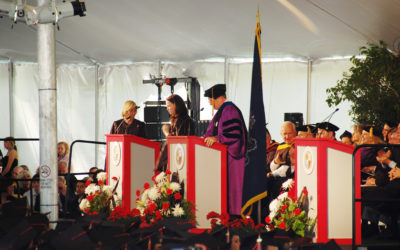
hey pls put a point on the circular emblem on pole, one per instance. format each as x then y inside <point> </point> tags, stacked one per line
<point>115,153</point>
<point>45,171</point>
<point>308,161</point>
<point>179,156</point>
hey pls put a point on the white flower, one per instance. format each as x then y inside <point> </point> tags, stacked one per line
<point>141,210</point>
<point>102,176</point>
<point>272,214</point>
<point>161,178</point>
<point>145,195</point>
<point>176,187</point>
<point>283,196</point>
<point>274,206</point>
<point>108,190</point>
<point>91,189</point>
<point>84,205</point>
<point>287,184</point>
<point>154,193</point>
<point>177,211</point>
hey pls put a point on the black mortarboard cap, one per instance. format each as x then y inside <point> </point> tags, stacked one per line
<point>15,208</point>
<point>346,134</point>
<point>109,234</point>
<point>73,238</point>
<point>305,128</point>
<point>327,126</point>
<point>391,124</point>
<point>372,129</point>
<point>19,236</point>
<point>177,224</point>
<point>215,91</point>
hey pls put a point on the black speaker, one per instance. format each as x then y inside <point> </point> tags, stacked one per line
<point>296,118</point>
<point>156,114</point>
<point>153,131</point>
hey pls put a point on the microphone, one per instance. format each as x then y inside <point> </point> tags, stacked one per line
<point>117,129</point>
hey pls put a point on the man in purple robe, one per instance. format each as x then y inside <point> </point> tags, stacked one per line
<point>228,127</point>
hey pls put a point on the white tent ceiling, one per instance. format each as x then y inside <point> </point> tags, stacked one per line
<point>187,30</point>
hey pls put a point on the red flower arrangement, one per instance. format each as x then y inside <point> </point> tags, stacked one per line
<point>162,200</point>
<point>289,213</point>
<point>241,225</point>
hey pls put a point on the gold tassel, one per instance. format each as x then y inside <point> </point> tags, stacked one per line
<point>371,131</point>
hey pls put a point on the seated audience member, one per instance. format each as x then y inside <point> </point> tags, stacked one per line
<point>375,211</point>
<point>356,136</point>
<point>63,151</point>
<point>326,130</point>
<point>386,128</point>
<point>34,196</point>
<point>129,125</point>
<point>15,190</point>
<point>346,138</point>
<point>281,159</point>
<point>26,184</point>
<point>283,169</point>
<point>71,179</point>
<point>80,191</point>
<point>92,173</point>
<point>26,168</point>
<point>71,210</point>
<point>271,149</point>
<point>305,131</point>
<point>369,163</point>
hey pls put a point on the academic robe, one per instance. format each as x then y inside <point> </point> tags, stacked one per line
<point>229,128</point>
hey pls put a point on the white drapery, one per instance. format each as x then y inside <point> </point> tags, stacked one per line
<point>284,90</point>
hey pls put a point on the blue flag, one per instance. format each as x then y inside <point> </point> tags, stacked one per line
<point>255,186</point>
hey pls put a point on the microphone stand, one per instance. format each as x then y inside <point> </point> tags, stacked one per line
<point>329,117</point>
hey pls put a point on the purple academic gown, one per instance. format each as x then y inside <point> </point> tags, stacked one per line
<point>231,131</point>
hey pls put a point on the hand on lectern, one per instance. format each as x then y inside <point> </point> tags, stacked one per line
<point>210,140</point>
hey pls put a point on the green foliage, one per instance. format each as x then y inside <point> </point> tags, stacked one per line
<point>372,86</point>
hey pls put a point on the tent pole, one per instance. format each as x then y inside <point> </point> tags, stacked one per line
<point>10,94</point>
<point>48,120</point>
<point>309,71</point>
<point>96,110</point>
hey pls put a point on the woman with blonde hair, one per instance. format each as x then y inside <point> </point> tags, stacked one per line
<point>128,124</point>
<point>62,151</point>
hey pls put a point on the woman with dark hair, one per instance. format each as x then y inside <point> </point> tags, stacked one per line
<point>181,124</point>
<point>10,161</point>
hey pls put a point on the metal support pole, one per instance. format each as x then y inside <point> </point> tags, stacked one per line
<point>96,110</point>
<point>48,120</point>
<point>309,71</point>
<point>10,95</point>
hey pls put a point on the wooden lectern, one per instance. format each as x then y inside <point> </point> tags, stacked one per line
<point>324,166</point>
<point>204,172</point>
<point>132,159</point>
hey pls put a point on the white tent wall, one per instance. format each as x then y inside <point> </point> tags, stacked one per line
<point>5,103</point>
<point>76,113</point>
<point>325,74</point>
<point>25,103</point>
<point>284,90</point>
